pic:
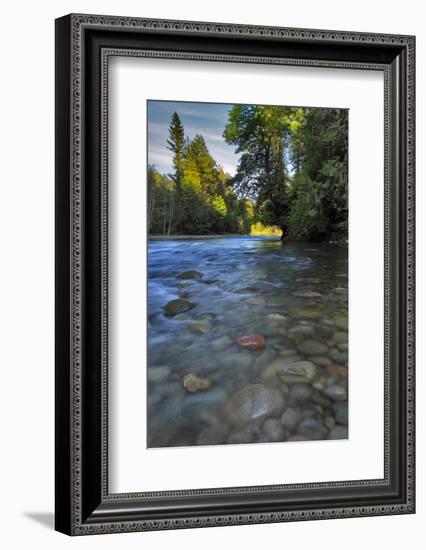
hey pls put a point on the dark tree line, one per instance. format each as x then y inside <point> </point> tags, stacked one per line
<point>292,173</point>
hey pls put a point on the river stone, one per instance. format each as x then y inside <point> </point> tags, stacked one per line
<point>308,280</point>
<point>341,337</point>
<point>290,419</point>
<point>312,347</point>
<point>336,392</point>
<point>300,392</point>
<point>220,344</point>
<point>329,422</point>
<point>273,429</point>
<point>301,330</point>
<point>158,374</point>
<point>213,435</point>
<point>251,342</point>
<point>301,371</point>
<point>341,322</point>
<point>254,404</point>
<point>190,275</point>
<point>264,358</point>
<point>341,413</point>
<point>276,318</point>
<point>193,383</point>
<point>312,429</point>
<point>307,313</point>
<point>338,432</point>
<point>178,306</point>
<point>321,361</point>
<point>202,327</point>
<point>343,347</point>
<point>340,357</point>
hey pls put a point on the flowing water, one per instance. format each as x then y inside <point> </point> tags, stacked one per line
<point>294,295</point>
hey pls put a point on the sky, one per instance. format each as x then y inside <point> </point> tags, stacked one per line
<point>207,119</point>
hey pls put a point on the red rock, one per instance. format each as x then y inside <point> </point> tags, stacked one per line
<point>251,342</point>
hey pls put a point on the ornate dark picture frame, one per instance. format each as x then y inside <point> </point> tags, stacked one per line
<point>84,44</point>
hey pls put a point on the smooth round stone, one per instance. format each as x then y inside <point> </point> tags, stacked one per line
<point>308,313</point>
<point>300,371</point>
<point>312,429</point>
<point>158,374</point>
<point>319,399</point>
<point>243,436</point>
<point>321,361</point>
<point>237,360</point>
<point>213,435</point>
<point>341,322</point>
<point>190,275</point>
<point>276,318</point>
<point>193,383</point>
<point>300,392</point>
<point>273,430</point>
<point>203,327</point>
<point>290,419</point>
<point>341,337</point>
<point>341,413</point>
<point>336,392</point>
<point>301,330</point>
<point>337,356</point>
<point>222,343</point>
<point>312,347</point>
<point>251,342</point>
<point>254,404</point>
<point>338,432</point>
<point>343,347</point>
<point>178,306</point>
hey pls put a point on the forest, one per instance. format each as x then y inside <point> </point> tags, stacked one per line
<point>291,178</point>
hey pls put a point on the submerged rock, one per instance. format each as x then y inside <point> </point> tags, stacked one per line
<point>178,306</point>
<point>193,383</point>
<point>251,342</point>
<point>312,347</point>
<point>312,429</point>
<point>190,275</point>
<point>301,371</point>
<point>336,392</point>
<point>202,327</point>
<point>307,294</point>
<point>273,430</point>
<point>243,436</point>
<point>254,404</point>
<point>335,371</point>
<point>221,343</point>
<point>300,392</point>
<point>290,419</point>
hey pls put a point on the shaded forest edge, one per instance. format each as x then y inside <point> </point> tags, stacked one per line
<point>291,179</point>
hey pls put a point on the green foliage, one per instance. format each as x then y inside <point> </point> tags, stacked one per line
<point>260,230</point>
<point>293,166</point>
<point>292,175</point>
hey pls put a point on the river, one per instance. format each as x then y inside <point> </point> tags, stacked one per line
<point>201,382</point>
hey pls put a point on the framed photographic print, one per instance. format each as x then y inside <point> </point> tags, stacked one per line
<point>234,274</point>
